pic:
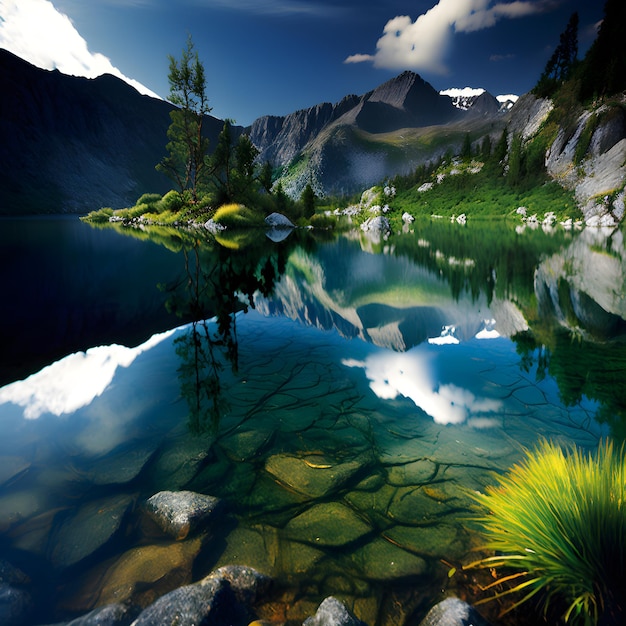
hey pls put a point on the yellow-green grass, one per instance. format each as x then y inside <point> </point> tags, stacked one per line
<point>557,523</point>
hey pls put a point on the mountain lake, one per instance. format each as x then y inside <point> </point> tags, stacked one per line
<point>342,396</point>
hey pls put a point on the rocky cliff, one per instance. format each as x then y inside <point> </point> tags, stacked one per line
<point>361,140</point>
<point>588,154</point>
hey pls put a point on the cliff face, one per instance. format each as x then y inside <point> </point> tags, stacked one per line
<point>70,145</point>
<point>588,155</point>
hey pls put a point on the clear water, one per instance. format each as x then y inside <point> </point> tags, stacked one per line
<point>342,397</point>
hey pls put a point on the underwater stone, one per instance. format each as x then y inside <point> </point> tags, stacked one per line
<point>453,612</point>
<point>119,614</point>
<point>331,524</point>
<point>180,463</point>
<point>331,612</point>
<point>143,574</point>
<point>311,476</point>
<point>89,529</point>
<point>437,541</point>
<point>179,513</point>
<point>15,606</point>
<point>247,584</point>
<point>381,560</point>
<point>121,466</point>
<point>190,605</point>
<point>12,467</point>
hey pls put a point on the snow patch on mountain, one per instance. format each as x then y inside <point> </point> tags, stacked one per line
<point>462,98</point>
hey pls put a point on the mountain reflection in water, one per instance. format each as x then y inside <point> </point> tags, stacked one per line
<point>341,402</point>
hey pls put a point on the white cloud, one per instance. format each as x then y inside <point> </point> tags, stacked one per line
<point>38,33</point>
<point>408,374</point>
<point>73,382</point>
<point>423,44</point>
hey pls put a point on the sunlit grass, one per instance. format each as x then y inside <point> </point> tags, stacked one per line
<point>234,215</point>
<point>557,522</point>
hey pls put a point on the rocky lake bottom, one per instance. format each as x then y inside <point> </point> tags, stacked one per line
<point>344,468</point>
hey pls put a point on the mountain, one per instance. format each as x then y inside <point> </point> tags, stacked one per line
<point>361,140</point>
<point>70,144</point>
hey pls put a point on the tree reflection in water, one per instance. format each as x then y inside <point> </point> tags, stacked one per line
<point>218,284</point>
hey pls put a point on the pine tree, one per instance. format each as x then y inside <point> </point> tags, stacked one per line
<point>562,62</point>
<point>187,161</point>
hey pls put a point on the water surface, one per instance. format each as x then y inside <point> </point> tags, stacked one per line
<point>342,397</point>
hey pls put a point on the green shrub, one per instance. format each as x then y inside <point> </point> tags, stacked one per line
<point>322,220</point>
<point>559,522</point>
<point>171,201</point>
<point>99,216</point>
<point>237,216</point>
<point>148,198</point>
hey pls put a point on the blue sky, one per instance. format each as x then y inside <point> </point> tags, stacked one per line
<point>277,56</point>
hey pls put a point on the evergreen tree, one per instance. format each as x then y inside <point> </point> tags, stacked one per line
<point>466,149</point>
<point>560,65</point>
<point>604,66</point>
<point>222,162</point>
<point>265,176</point>
<point>308,201</point>
<point>187,162</point>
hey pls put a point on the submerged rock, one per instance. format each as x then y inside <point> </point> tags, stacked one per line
<point>16,605</point>
<point>189,605</point>
<point>311,476</point>
<point>179,513</point>
<point>331,612</point>
<point>142,574</point>
<point>89,529</point>
<point>119,614</point>
<point>331,524</point>
<point>248,585</point>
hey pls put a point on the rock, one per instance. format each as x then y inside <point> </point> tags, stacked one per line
<point>311,476</point>
<point>140,575</point>
<point>12,467</point>
<point>121,466</point>
<point>378,225</point>
<point>179,462</point>
<point>120,614</point>
<point>89,529</point>
<point>210,603</point>
<point>277,220</point>
<point>248,585</point>
<point>331,524</point>
<point>179,513</point>
<point>381,560</point>
<point>331,612</point>
<point>11,575</point>
<point>453,612</point>
<point>16,605</point>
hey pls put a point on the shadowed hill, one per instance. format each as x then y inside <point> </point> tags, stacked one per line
<point>71,144</point>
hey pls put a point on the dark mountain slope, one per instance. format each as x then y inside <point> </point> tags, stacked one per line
<point>70,144</point>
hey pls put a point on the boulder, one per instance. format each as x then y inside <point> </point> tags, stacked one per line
<point>179,513</point>
<point>120,614</point>
<point>331,612</point>
<point>277,220</point>
<point>453,612</point>
<point>248,585</point>
<point>88,530</point>
<point>328,524</point>
<point>190,605</point>
<point>16,605</point>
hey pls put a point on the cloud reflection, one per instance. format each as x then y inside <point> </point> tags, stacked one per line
<point>73,382</point>
<point>410,375</point>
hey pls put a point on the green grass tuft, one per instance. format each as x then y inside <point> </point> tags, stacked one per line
<point>558,521</point>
